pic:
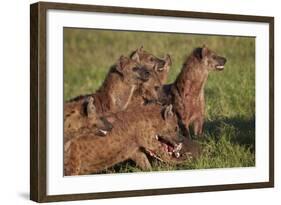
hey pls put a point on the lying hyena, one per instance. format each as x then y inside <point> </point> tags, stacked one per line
<point>93,122</point>
<point>114,94</point>
<point>186,94</point>
<point>160,66</point>
<point>136,131</point>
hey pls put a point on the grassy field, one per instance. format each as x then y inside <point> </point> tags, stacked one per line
<point>230,95</point>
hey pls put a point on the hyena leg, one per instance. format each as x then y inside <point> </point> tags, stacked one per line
<point>72,159</point>
<point>198,126</point>
<point>184,130</point>
<point>141,160</point>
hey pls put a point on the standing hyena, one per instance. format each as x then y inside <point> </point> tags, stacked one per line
<point>187,92</point>
<point>147,129</point>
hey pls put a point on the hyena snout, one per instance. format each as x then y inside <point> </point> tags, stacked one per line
<point>220,62</point>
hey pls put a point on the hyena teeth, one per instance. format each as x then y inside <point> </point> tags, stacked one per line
<point>220,66</point>
<point>178,147</point>
<point>166,147</point>
<point>104,132</point>
<point>156,137</point>
<point>177,155</point>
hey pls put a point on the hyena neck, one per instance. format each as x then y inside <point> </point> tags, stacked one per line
<point>103,101</point>
<point>192,79</point>
<point>115,92</point>
<point>128,97</point>
<point>136,99</point>
<point>107,85</point>
<point>139,97</point>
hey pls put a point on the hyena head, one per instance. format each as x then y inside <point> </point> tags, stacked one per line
<point>168,132</point>
<point>151,88</point>
<point>209,59</point>
<point>169,125</point>
<point>132,71</point>
<point>101,125</point>
<point>85,116</point>
<point>161,66</point>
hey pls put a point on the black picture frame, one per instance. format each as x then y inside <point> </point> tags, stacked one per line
<point>38,100</point>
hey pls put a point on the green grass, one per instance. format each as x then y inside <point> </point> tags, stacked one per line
<point>229,131</point>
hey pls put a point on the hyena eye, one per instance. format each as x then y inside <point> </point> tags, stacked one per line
<point>176,129</point>
<point>151,59</point>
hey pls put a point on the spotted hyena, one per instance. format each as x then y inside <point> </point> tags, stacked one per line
<point>138,131</point>
<point>186,94</point>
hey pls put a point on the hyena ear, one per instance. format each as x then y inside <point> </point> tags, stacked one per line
<point>155,68</point>
<point>140,49</point>
<point>168,59</point>
<point>136,54</point>
<point>168,63</point>
<point>122,62</point>
<point>91,108</point>
<point>204,51</point>
<point>168,112</point>
<point>198,53</point>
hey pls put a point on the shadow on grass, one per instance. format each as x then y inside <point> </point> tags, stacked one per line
<point>242,130</point>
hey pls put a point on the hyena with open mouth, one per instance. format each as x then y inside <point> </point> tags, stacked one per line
<point>186,94</point>
<point>136,132</point>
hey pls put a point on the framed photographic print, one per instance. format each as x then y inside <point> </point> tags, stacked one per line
<point>134,102</point>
